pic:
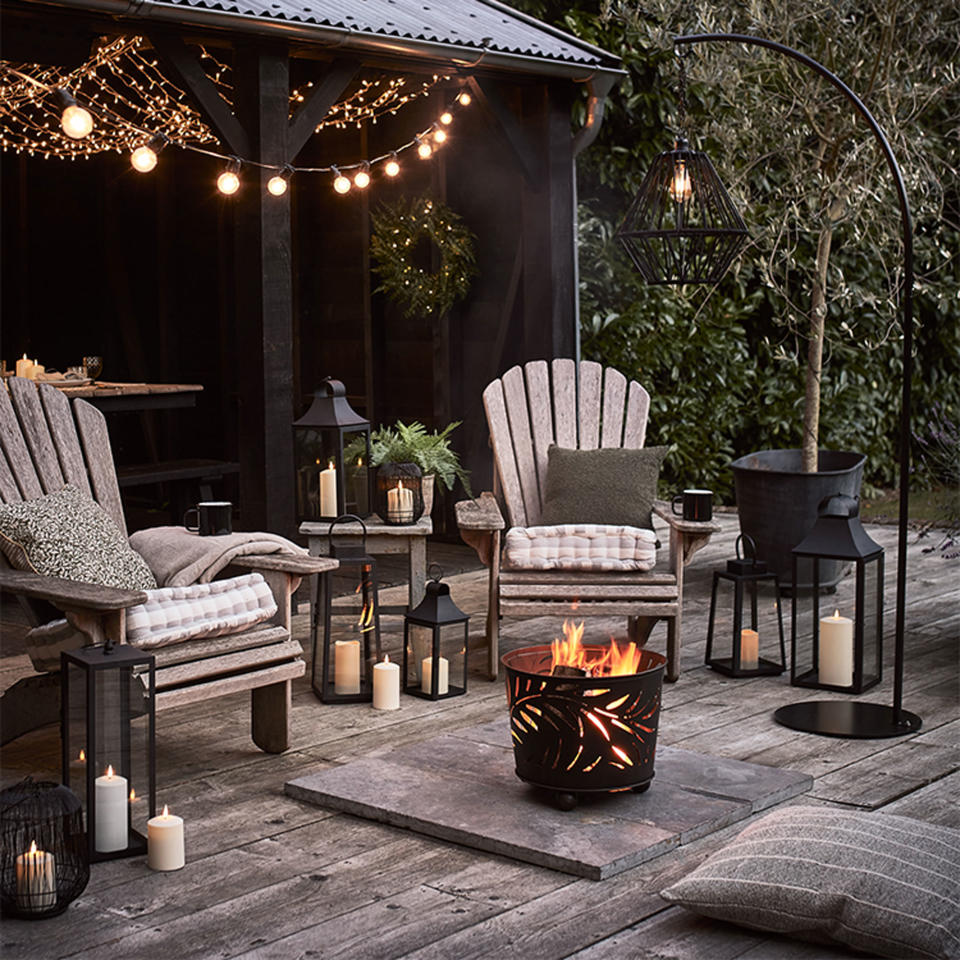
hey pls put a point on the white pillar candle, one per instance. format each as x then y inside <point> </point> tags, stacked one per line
<point>443,678</point>
<point>110,829</point>
<point>165,842</point>
<point>749,649</point>
<point>836,650</point>
<point>36,880</point>
<point>24,366</point>
<point>328,491</point>
<point>386,685</point>
<point>346,666</point>
<point>400,502</point>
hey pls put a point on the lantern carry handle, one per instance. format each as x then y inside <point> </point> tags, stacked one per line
<point>351,517</point>
<point>435,577</point>
<point>753,547</point>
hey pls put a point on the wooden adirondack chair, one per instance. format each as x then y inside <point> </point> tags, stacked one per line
<point>528,409</point>
<point>46,445</point>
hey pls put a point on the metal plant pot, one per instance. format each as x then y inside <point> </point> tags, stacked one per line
<point>778,503</point>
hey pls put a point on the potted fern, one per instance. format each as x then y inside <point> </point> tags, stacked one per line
<point>429,450</point>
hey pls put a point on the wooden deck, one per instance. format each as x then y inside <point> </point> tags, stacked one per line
<point>269,877</point>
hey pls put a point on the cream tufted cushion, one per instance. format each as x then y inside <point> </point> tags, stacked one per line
<point>580,546</point>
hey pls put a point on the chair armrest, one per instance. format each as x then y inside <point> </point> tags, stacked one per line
<point>298,566</point>
<point>664,511</point>
<point>483,513</point>
<point>69,594</point>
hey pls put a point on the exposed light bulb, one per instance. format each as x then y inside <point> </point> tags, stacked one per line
<point>277,186</point>
<point>143,159</point>
<point>424,150</point>
<point>362,180</point>
<point>464,99</point>
<point>228,183</point>
<point>440,136</point>
<point>392,166</point>
<point>76,122</point>
<point>680,187</point>
<point>446,117</point>
<point>340,183</point>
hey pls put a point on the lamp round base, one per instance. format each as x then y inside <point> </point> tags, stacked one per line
<point>840,718</point>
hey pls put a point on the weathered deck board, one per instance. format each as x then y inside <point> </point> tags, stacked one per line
<point>252,883</point>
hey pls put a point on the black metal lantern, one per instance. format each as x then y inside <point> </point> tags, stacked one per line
<point>399,493</point>
<point>43,849</point>
<point>107,732</point>
<point>332,449</point>
<point>345,615</point>
<point>746,576</point>
<point>435,636</point>
<point>837,621</point>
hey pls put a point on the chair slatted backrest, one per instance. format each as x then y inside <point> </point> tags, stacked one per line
<point>46,445</point>
<point>541,403</point>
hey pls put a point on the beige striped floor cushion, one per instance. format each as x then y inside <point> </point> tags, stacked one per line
<point>883,884</point>
<point>174,614</point>
<point>580,546</point>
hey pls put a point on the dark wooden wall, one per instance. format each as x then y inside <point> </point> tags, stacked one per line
<point>154,272</point>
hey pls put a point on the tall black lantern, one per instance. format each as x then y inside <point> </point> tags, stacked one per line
<point>107,732</point>
<point>399,493</point>
<point>752,630</point>
<point>43,849</point>
<point>345,615</point>
<point>435,637</point>
<point>332,449</point>
<point>837,625</point>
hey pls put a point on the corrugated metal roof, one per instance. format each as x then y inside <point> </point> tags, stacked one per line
<point>474,25</point>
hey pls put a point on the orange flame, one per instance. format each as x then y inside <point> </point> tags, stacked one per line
<point>83,756</point>
<point>133,795</point>
<point>613,662</point>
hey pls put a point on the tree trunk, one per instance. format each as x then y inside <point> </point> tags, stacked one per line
<point>818,316</point>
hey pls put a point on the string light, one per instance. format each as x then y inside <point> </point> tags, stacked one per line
<point>424,150</point>
<point>144,158</point>
<point>362,178</point>
<point>228,182</point>
<point>392,166</point>
<point>340,183</point>
<point>464,99</point>
<point>440,136</point>
<point>277,184</point>
<point>446,117</point>
<point>75,121</point>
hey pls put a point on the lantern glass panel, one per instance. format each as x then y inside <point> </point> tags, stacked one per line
<point>446,642</point>
<point>333,476</point>
<point>108,746</point>
<point>348,641</point>
<point>746,603</point>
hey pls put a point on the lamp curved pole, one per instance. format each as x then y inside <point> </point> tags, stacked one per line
<point>902,722</point>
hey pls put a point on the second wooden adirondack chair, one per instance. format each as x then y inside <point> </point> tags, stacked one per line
<point>528,409</point>
<point>44,445</point>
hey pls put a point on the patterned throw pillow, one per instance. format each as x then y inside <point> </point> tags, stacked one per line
<point>883,884</point>
<point>65,534</point>
<point>607,486</point>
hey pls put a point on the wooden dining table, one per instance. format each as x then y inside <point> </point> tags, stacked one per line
<point>116,397</point>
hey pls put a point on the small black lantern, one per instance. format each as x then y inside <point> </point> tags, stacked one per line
<point>746,575</point>
<point>107,732</point>
<point>342,669</point>
<point>332,450</point>
<point>435,637</point>
<point>399,493</point>
<point>837,620</point>
<point>43,849</point>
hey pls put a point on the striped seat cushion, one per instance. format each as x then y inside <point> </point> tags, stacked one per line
<point>174,614</point>
<point>580,546</point>
<point>883,884</point>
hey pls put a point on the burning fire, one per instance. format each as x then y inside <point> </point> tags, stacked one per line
<point>613,662</point>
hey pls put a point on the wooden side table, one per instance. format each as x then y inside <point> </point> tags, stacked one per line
<point>382,538</point>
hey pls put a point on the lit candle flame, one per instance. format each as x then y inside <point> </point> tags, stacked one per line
<point>83,755</point>
<point>330,465</point>
<point>133,795</point>
<point>110,772</point>
<point>386,658</point>
<point>166,811</point>
<point>33,848</point>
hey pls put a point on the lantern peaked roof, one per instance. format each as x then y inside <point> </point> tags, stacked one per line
<point>471,33</point>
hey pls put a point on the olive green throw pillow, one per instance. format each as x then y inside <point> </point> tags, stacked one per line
<point>608,486</point>
<point>66,534</point>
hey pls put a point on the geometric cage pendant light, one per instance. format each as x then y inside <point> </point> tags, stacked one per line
<point>682,226</point>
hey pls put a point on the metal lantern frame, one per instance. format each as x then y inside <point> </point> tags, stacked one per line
<point>747,575</point>
<point>838,535</point>
<point>320,436</point>
<point>389,476</point>
<point>50,816</point>
<point>352,558</point>
<point>136,678</point>
<point>437,613</point>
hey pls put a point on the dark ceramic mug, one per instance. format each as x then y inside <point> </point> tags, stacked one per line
<point>214,518</point>
<point>696,504</point>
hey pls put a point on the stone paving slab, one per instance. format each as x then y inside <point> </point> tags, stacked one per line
<point>461,787</point>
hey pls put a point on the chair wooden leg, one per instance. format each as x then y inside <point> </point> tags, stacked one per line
<point>493,608</point>
<point>673,649</point>
<point>270,709</point>
<point>640,628</point>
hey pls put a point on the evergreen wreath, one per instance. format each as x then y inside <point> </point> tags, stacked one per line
<point>398,229</point>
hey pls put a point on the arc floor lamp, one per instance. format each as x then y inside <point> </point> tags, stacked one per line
<point>676,242</point>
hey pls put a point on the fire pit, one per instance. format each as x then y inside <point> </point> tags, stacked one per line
<point>584,717</point>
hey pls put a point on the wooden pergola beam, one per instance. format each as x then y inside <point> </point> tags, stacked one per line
<point>510,129</point>
<point>318,104</point>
